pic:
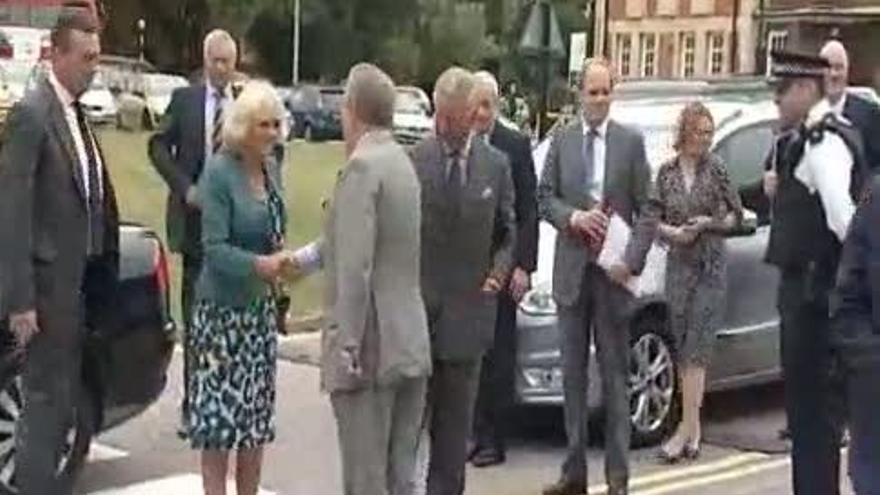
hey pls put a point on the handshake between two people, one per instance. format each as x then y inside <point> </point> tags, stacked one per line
<point>281,266</point>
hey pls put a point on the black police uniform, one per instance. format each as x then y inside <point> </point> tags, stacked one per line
<point>807,253</point>
<point>856,340</point>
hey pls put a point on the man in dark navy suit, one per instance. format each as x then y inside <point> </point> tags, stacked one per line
<point>189,136</point>
<point>495,397</point>
<point>864,115</point>
<point>856,340</point>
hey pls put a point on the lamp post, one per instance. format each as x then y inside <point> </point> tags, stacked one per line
<point>296,41</point>
<point>141,28</point>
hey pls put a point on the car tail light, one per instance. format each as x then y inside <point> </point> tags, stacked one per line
<point>160,269</point>
<point>6,50</point>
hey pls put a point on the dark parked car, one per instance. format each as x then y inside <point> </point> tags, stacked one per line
<point>125,361</point>
<point>747,349</point>
<point>316,112</point>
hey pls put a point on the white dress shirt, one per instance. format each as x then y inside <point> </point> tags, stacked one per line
<point>210,107</point>
<point>599,153</point>
<point>67,104</point>
<point>838,107</point>
<point>826,168</point>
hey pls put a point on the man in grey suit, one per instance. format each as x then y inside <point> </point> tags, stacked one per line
<point>595,166</point>
<point>376,355</point>
<point>467,191</point>
<point>59,236</point>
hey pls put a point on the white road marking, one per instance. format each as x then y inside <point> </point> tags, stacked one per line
<point>184,484</point>
<point>100,452</point>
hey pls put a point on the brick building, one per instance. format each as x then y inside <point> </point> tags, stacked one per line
<point>804,25</point>
<point>675,39</point>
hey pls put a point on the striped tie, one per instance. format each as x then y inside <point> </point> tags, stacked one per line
<point>217,130</point>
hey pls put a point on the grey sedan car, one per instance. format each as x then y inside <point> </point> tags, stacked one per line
<point>747,349</point>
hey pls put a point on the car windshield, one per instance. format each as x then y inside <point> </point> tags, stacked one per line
<point>331,100</point>
<point>164,85</point>
<point>409,102</point>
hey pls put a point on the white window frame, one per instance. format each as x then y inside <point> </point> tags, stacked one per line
<point>715,53</point>
<point>648,57</point>
<point>624,54</point>
<point>777,39</point>
<point>688,48</point>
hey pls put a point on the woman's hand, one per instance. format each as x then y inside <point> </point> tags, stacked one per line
<point>700,223</point>
<point>681,236</point>
<point>270,267</point>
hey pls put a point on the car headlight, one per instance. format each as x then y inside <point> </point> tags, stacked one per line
<point>539,301</point>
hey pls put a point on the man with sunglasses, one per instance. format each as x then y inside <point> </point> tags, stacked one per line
<point>820,171</point>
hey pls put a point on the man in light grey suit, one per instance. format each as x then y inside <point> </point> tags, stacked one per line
<point>467,191</point>
<point>595,166</point>
<point>376,355</point>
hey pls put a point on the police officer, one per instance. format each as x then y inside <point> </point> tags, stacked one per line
<point>818,175</point>
<point>856,340</point>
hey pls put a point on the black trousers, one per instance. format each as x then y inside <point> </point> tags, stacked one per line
<point>863,406</point>
<point>496,393</point>
<point>192,267</point>
<point>812,406</point>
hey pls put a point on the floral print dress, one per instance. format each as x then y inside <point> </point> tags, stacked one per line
<point>696,274</point>
<point>232,380</point>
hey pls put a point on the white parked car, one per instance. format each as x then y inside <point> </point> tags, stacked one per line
<point>15,77</point>
<point>28,44</point>
<point>158,89</point>
<point>412,115</point>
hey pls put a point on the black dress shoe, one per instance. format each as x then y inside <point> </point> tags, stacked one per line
<point>488,457</point>
<point>566,488</point>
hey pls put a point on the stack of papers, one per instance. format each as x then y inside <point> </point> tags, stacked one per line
<point>652,281</point>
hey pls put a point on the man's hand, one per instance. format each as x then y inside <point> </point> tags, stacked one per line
<point>520,283</point>
<point>492,286</point>
<point>269,267</point>
<point>771,182</point>
<point>592,223</point>
<point>620,274</point>
<point>192,197</point>
<point>24,327</point>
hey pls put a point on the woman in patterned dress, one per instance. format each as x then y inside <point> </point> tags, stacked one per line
<point>697,206</point>
<point>231,403</point>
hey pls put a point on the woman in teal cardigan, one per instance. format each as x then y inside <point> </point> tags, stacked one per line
<point>231,403</point>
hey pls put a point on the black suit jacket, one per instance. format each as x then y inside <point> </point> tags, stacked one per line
<point>44,219</point>
<point>865,116</point>
<point>177,151</point>
<point>522,168</point>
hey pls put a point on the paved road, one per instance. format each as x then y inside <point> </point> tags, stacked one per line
<point>145,457</point>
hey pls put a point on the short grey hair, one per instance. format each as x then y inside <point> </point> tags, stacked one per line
<point>834,47</point>
<point>218,37</point>
<point>370,95</point>
<point>487,79</point>
<point>258,100</point>
<point>455,84</point>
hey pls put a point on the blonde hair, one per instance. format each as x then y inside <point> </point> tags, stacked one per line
<point>257,100</point>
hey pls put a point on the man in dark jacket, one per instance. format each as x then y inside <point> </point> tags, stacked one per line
<point>856,341</point>
<point>497,376</point>
<point>864,115</point>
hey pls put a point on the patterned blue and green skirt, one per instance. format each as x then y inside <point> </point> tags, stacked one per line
<point>231,402</point>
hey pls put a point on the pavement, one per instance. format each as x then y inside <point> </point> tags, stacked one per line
<point>145,457</point>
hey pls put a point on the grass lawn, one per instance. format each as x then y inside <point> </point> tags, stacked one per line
<point>309,175</point>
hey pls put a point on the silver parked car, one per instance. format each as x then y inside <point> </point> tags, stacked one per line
<point>747,350</point>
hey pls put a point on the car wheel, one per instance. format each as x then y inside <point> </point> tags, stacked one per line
<point>74,450</point>
<point>653,387</point>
